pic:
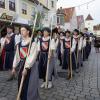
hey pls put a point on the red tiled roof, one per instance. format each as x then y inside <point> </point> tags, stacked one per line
<point>89,17</point>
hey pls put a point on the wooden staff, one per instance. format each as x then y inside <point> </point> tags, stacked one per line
<point>49,54</point>
<point>77,53</point>
<point>82,50</point>
<point>23,77</point>
<point>70,72</point>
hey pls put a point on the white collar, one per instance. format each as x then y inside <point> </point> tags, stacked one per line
<point>67,39</point>
<point>46,38</point>
<point>10,34</point>
<point>25,42</point>
<point>76,36</point>
<point>61,37</point>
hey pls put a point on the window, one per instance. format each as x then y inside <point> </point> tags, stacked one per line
<point>2,3</point>
<point>58,20</point>
<point>24,8</point>
<point>12,5</point>
<point>52,4</point>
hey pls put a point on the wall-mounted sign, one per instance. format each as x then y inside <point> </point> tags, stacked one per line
<point>6,17</point>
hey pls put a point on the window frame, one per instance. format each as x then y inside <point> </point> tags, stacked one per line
<point>52,4</point>
<point>24,8</point>
<point>12,8</point>
<point>2,4</point>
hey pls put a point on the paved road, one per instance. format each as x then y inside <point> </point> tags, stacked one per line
<point>84,86</point>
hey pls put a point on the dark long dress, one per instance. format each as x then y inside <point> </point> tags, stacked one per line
<point>44,48</point>
<point>88,47</point>
<point>66,58</point>
<point>30,86</point>
<point>9,53</point>
<point>59,53</point>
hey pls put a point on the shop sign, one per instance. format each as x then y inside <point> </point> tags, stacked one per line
<point>6,17</point>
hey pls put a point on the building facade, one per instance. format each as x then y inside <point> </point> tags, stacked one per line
<point>60,17</point>
<point>70,19</point>
<point>89,23</point>
<point>96,30</point>
<point>80,22</point>
<point>21,11</point>
<point>51,15</point>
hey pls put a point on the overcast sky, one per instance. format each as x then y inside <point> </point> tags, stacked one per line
<point>93,8</point>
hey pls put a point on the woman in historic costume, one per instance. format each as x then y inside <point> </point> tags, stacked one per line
<point>2,50</point>
<point>80,49</point>
<point>43,47</point>
<point>59,47</point>
<point>9,48</point>
<point>88,46</point>
<point>27,66</point>
<point>67,44</point>
<point>53,57</point>
<point>84,46</point>
<point>77,39</point>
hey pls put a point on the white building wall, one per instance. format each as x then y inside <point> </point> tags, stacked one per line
<point>73,22</point>
<point>67,26</point>
<point>97,32</point>
<point>89,25</point>
<point>52,11</point>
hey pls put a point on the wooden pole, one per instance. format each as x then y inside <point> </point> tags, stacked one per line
<point>23,77</point>
<point>71,71</point>
<point>77,53</point>
<point>49,53</point>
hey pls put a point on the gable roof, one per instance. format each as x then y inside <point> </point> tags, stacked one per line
<point>89,17</point>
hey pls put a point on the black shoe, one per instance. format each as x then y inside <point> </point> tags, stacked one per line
<point>77,70</point>
<point>60,64</point>
<point>81,65</point>
<point>11,78</point>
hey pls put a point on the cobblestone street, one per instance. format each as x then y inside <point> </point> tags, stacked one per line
<point>84,86</point>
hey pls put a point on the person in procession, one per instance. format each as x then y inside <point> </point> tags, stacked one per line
<point>80,49</point>
<point>2,50</point>
<point>43,46</point>
<point>9,46</point>
<point>88,43</point>
<point>84,46</point>
<point>59,47</point>
<point>76,37</point>
<point>68,44</point>
<point>27,66</point>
